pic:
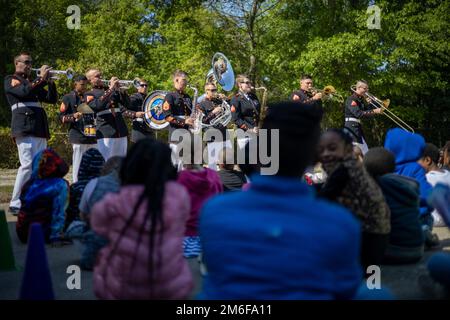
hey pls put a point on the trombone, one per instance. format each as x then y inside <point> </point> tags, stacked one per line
<point>69,73</point>
<point>328,93</point>
<point>383,105</point>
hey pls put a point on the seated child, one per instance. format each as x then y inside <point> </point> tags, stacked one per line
<point>350,185</point>
<point>144,224</point>
<point>231,179</point>
<point>44,197</point>
<point>91,163</point>
<point>408,148</point>
<point>201,184</point>
<point>406,242</point>
<point>434,175</point>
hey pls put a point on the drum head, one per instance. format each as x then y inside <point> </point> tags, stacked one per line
<point>154,116</point>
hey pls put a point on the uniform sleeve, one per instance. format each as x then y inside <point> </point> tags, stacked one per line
<point>207,115</point>
<point>294,97</point>
<point>125,104</point>
<point>354,108</point>
<point>21,89</point>
<point>103,102</point>
<point>135,103</point>
<point>237,115</point>
<point>168,104</point>
<point>65,110</point>
<point>50,95</point>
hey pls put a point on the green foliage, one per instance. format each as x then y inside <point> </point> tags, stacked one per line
<point>406,61</point>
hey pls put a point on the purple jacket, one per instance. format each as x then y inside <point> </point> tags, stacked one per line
<point>201,185</point>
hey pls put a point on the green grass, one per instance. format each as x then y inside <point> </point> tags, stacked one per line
<point>5,193</point>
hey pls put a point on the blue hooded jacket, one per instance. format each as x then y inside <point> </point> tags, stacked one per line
<point>408,148</point>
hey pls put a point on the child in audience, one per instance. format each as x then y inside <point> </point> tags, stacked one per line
<point>231,179</point>
<point>144,224</point>
<point>439,263</point>
<point>45,197</point>
<point>408,148</point>
<point>95,190</point>
<point>201,184</point>
<point>350,185</point>
<point>277,240</point>
<point>434,175</point>
<point>91,164</point>
<point>406,242</point>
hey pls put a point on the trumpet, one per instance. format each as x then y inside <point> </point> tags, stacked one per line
<point>383,105</point>
<point>69,73</point>
<point>124,84</point>
<point>328,93</point>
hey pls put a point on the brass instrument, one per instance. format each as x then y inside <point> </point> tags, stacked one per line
<point>383,105</point>
<point>328,93</point>
<point>223,74</point>
<point>124,84</point>
<point>196,114</point>
<point>69,73</point>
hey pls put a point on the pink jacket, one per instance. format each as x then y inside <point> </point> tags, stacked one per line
<point>112,278</point>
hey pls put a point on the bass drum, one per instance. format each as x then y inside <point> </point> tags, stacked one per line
<point>154,116</point>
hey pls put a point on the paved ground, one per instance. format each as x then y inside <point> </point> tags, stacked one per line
<point>59,260</point>
<point>406,282</point>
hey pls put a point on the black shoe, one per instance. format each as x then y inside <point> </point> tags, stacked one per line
<point>14,211</point>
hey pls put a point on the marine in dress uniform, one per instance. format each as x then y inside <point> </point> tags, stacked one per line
<point>69,114</point>
<point>29,126</point>
<point>177,108</point>
<point>110,106</point>
<point>356,108</point>
<point>210,106</point>
<point>140,129</point>
<point>304,94</point>
<point>245,109</point>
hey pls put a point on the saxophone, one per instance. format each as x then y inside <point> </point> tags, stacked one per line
<point>196,114</point>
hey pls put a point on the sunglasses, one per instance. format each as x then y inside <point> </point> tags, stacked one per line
<point>246,82</point>
<point>212,90</point>
<point>144,85</point>
<point>26,62</point>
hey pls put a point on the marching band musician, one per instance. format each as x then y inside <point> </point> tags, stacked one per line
<point>29,126</point>
<point>140,129</point>
<point>211,106</point>
<point>177,108</point>
<point>109,106</point>
<point>357,108</point>
<point>69,114</point>
<point>304,94</point>
<point>245,109</point>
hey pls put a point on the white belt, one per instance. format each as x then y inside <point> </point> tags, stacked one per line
<point>353,119</point>
<point>107,111</point>
<point>25,104</point>
<point>139,120</point>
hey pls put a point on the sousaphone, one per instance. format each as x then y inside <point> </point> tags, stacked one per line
<point>221,72</point>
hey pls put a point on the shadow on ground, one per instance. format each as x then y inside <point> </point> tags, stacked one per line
<point>405,281</point>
